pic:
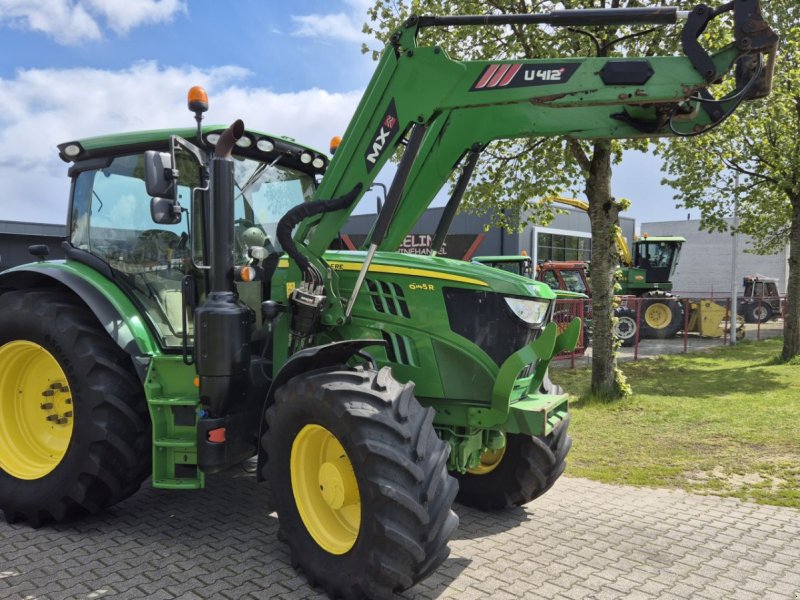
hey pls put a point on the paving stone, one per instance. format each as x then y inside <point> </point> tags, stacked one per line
<point>582,540</point>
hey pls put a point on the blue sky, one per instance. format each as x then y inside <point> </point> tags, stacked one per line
<point>75,68</point>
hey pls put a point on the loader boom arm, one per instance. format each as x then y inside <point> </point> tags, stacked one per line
<point>443,108</point>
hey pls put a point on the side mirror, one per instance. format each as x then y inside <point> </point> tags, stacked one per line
<point>160,175</point>
<point>165,211</point>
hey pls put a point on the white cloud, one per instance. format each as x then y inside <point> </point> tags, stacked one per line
<point>145,96</point>
<point>124,15</point>
<point>343,25</point>
<point>76,21</point>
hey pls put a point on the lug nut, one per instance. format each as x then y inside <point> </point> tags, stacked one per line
<point>62,420</point>
<point>47,405</point>
<point>49,393</point>
<point>68,413</point>
<point>68,401</point>
<point>52,417</point>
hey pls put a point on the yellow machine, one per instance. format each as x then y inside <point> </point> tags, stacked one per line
<point>710,319</point>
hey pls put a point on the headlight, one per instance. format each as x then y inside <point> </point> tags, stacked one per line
<point>533,312</point>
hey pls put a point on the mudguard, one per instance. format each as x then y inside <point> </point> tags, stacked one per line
<point>113,310</point>
<point>317,357</point>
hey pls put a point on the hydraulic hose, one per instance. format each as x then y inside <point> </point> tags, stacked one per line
<point>294,216</point>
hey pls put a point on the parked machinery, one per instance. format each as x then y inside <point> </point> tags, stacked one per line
<point>761,300</point>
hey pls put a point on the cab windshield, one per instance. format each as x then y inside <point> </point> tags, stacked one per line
<point>264,192</point>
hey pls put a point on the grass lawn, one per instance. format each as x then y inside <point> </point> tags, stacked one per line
<point>723,422</point>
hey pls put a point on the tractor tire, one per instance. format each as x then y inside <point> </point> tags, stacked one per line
<point>662,315</point>
<point>358,477</point>
<point>74,428</point>
<point>525,469</point>
<point>758,313</point>
<point>625,327</point>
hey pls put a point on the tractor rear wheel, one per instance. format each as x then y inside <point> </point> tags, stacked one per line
<point>74,431</point>
<point>521,472</point>
<point>662,315</point>
<point>359,480</point>
<point>758,313</point>
<point>626,326</point>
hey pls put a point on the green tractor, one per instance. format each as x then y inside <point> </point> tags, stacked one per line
<point>199,318</point>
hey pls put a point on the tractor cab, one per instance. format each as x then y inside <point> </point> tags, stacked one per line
<point>570,276</point>
<point>519,265</point>
<point>657,257</point>
<point>151,250</point>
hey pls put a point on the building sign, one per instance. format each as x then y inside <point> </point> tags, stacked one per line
<point>458,245</point>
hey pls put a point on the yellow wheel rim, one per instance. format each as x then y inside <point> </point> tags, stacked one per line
<point>325,489</point>
<point>489,461</point>
<point>657,316</point>
<point>36,412</point>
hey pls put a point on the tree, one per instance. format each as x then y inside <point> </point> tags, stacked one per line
<point>513,175</point>
<point>754,156</point>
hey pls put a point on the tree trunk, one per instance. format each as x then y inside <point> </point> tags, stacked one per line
<point>604,216</point>
<point>791,324</point>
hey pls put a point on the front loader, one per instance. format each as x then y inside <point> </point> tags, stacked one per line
<point>199,318</point>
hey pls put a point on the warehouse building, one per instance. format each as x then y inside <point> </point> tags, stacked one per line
<point>567,237</point>
<point>706,259</point>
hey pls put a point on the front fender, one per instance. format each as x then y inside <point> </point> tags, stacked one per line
<point>328,355</point>
<point>112,308</point>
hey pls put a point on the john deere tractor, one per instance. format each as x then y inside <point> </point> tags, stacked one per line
<point>199,318</point>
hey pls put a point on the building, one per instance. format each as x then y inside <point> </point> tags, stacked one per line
<point>567,237</point>
<point>16,237</point>
<point>706,259</point>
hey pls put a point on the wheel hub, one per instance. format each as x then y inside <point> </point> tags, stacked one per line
<point>325,489</point>
<point>332,485</point>
<point>36,412</point>
<point>657,316</point>
<point>624,327</point>
<point>490,459</point>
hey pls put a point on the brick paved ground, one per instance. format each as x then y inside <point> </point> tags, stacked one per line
<point>581,540</point>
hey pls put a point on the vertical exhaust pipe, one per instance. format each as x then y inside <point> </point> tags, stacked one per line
<point>222,322</point>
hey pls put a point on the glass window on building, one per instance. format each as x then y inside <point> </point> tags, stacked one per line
<point>551,246</point>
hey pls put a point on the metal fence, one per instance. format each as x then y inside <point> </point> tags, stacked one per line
<point>703,321</point>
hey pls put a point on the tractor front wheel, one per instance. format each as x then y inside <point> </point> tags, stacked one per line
<point>74,432</point>
<point>359,480</point>
<point>521,472</point>
<point>662,315</point>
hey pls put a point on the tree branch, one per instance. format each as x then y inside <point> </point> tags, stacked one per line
<point>608,45</point>
<point>579,154</point>
<point>736,167</point>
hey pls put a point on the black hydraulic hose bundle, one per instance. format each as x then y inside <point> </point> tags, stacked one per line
<point>301,212</point>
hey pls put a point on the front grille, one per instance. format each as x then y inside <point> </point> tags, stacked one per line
<point>399,349</point>
<point>387,297</point>
<point>485,319</point>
